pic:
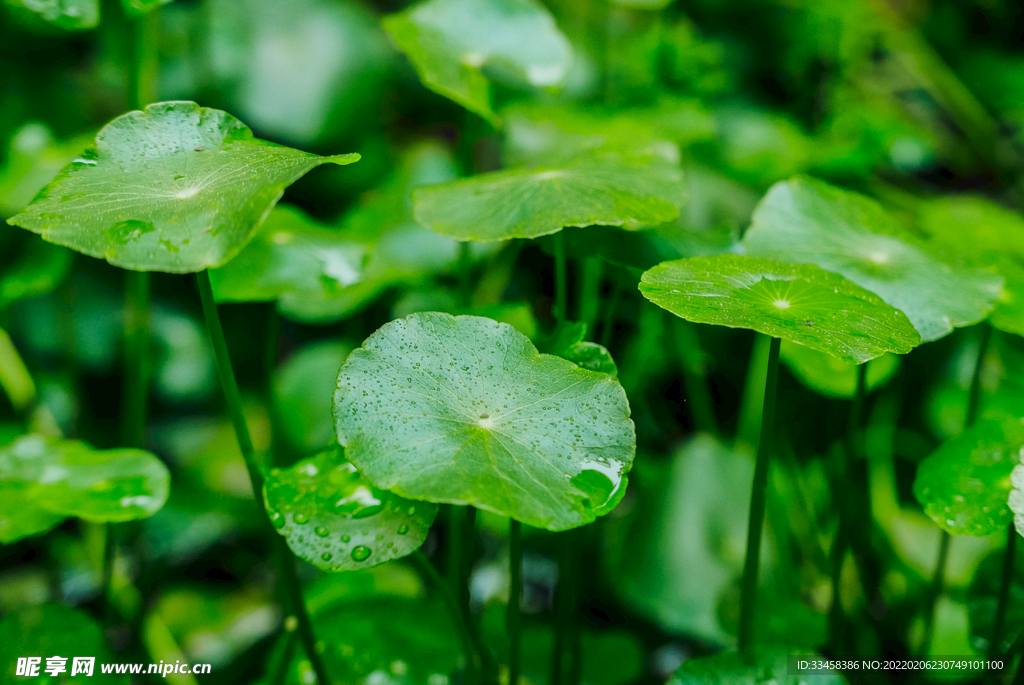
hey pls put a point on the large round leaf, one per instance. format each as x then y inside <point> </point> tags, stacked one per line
<point>450,41</point>
<point>177,188</point>
<point>54,630</point>
<point>979,233</point>
<point>765,668</point>
<point>337,520</point>
<point>465,410</point>
<point>810,222</point>
<point>796,302</point>
<point>526,203</point>
<point>43,481</point>
<point>965,484</point>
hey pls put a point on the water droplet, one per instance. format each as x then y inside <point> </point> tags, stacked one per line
<point>301,518</point>
<point>360,553</point>
<point>321,531</point>
<point>403,529</point>
<point>326,556</point>
<point>346,538</point>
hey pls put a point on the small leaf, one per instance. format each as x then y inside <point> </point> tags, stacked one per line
<point>806,221</point>
<point>71,15</point>
<point>832,376</point>
<point>526,203</point>
<point>177,188</point>
<point>567,341</point>
<point>964,486</point>
<point>766,668</point>
<point>45,481</point>
<point>976,232</point>
<point>796,302</point>
<point>465,410</point>
<point>291,257</point>
<point>40,268</point>
<point>49,630</point>
<point>337,520</point>
<point>449,42</point>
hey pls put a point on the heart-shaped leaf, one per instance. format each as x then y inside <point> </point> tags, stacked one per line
<point>176,188</point>
<point>832,376</point>
<point>51,630</point>
<point>450,41</point>
<point>465,410</point>
<point>291,257</point>
<point>337,520</point>
<point>765,668</point>
<point>43,481</point>
<point>806,221</point>
<point>526,203</point>
<point>965,484</point>
<point>796,302</point>
<point>71,15</point>
<point>976,232</point>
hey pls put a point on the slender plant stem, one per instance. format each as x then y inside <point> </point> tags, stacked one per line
<point>512,618</point>
<point>971,415</point>
<point>278,668</point>
<point>465,269</point>
<point>589,300</point>
<point>608,323</point>
<point>753,392</point>
<point>453,563</point>
<point>1005,582</point>
<point>468,547</point>
<point>136,339</point>
<point>563,612</point>
<point>935,590</point>
<point>702,406</point>
<point>1018,679</point>
<point>428,571</point>
<point>748,597</point>
<point>234,402</point>
<point>561,279</point>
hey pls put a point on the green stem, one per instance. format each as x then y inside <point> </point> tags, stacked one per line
<point>512,618</point>
<point>235,412</point>
<point>278,667</point>
<point>608,323</point>
<point>974,392</point>
<point>567,601</point>
<point>748,597</point>
<point>465,269</point>
<point>468,548</point>
<point>427,570</point>
<point>561,279</point>
<point>1006,581</point>
<point>14,376</point>
<point>934,591</point>
<point>1019,678</point>
<point>702,407</point>
<point>143,62</point>
<point>753,392</point>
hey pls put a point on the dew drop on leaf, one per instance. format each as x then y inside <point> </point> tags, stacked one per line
<point>361,553</point>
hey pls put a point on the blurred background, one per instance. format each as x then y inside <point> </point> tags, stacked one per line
<point>905,100</point>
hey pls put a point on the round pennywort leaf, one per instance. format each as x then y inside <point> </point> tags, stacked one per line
<point>337,520</point>
<point>796,302</point>
<point>465,410</point>
<point>177,188</point>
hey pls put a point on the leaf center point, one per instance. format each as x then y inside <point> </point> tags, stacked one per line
<point>781,303</point>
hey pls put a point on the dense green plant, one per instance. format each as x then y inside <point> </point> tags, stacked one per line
<point>595,369</point>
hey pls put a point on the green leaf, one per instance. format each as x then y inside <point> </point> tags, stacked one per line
<point>38,269</point>
<point>337,520</point>
<point>1016,498</point>
<point>964,486</point>
<point>567,341</point>
<point>465,410</point>
<point>291,258</point>
<point>71,15</point>
<point>832,376</point>
<point>806,221</point>
<point>177,188</point>
<point>138,7</point>
<point>49,630</point>
<point>45,480</point>
<point>526,203</point>
<point>450,42</point>
<point>303,386</point>
<point>728,668</point>
<point>34,157</point>
<point>547,134</point>
<point>796,302</point>
<point>975,232</point>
